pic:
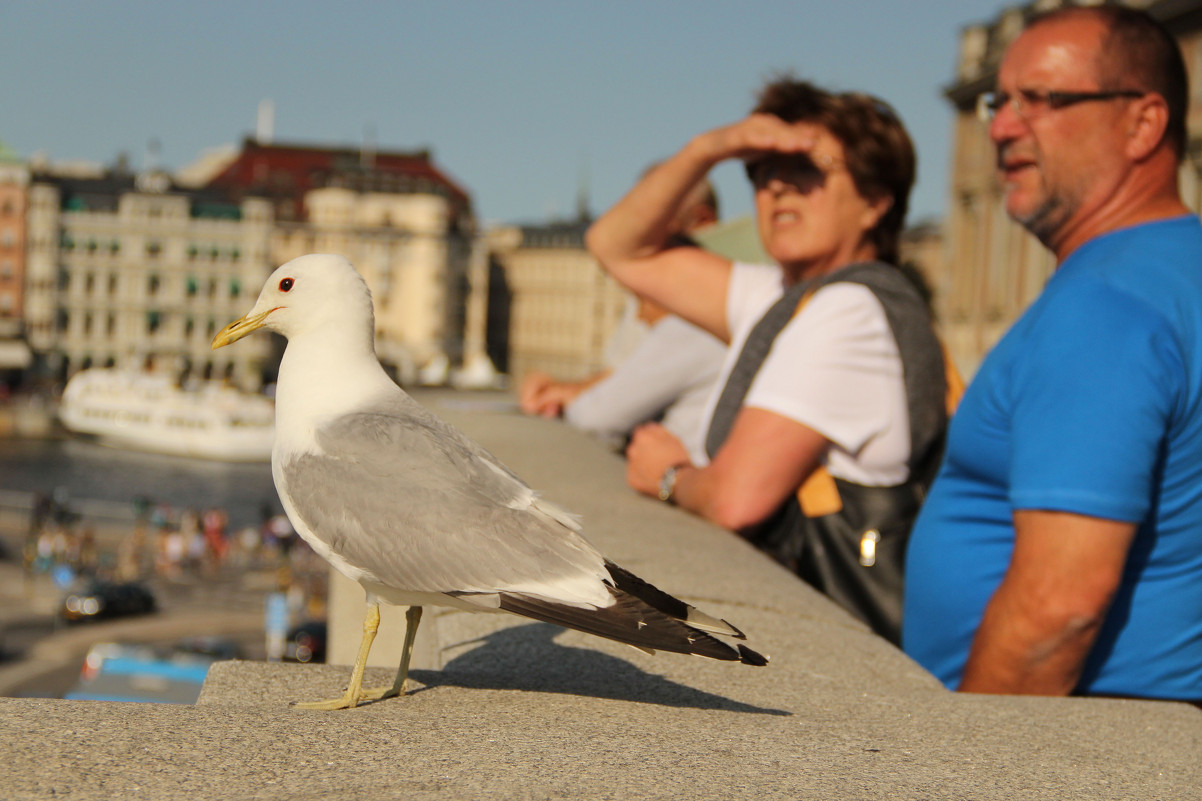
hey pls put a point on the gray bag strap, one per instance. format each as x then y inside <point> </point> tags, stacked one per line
<point>910,322</point>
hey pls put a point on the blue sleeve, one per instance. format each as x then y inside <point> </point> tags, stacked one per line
<point>1092,403</point>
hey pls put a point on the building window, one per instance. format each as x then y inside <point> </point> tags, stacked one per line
<point>114,247</point>
<point>61,320</point>
<point>153,249</point>
<point>189,327</point>
<point>152,285</point>
<point>235,288</point>
<point>110,324</point>
<point>191,286</point>
<point>112,283</point>
<point>154,321</point>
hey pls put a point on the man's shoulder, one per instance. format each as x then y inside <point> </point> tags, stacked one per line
<point>1160,249</point>
<point>1156,264</point>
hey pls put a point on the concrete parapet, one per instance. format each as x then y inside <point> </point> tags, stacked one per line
<point>511,708</point>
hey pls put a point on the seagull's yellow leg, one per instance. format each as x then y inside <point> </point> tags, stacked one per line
<point>354,691</point>
<point>413,616</point>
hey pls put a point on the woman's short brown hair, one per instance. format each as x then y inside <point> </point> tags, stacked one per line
<point>878,151</point>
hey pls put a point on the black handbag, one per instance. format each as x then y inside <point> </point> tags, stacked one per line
<point>855,556</point>
<point>849,540</point>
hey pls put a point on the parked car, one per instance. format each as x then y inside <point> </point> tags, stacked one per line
<point>306,642</point>
<point>141,673</point>
<point>103,599</point>
<point>217,647</point>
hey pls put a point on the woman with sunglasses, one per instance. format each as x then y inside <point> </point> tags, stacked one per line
<point>842,373</point>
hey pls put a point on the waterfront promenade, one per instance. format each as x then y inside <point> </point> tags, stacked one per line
<point>508,708</point>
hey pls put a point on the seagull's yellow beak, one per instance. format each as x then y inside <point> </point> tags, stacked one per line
<point>240,328</point>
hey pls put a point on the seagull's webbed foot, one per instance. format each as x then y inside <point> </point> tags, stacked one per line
<point>346,701</point>
<point>355,694</point>
<point>354,691</point>
<point>413,617</point>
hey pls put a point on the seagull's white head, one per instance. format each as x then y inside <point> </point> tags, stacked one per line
<point>315,293</point>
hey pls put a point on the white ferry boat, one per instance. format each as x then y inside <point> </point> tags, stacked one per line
<point>148,412</point>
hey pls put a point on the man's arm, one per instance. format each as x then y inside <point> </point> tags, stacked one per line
<point>1044,617</point>
<point>763,461</point>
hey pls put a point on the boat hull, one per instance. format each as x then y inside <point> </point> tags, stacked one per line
<point>145,413</point>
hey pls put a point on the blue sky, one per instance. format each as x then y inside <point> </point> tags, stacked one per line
<point>517,100</point>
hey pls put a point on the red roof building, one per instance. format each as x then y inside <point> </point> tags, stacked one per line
<point>284,173</point>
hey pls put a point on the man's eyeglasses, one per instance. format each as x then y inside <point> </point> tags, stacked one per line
<point>800,170</point>
<point>1031,103</point>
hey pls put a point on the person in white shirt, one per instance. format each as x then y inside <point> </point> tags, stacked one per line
<point>666,370</point>
<point>831,175</point>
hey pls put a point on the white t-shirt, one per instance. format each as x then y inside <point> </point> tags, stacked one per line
<point>673,370</point>
<point>626,336</point>
<point>834,368</point>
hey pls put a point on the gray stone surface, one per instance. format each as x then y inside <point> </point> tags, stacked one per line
<point>517,709</point>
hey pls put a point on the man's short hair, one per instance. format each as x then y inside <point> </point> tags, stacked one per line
<point>1138,52</point>
<point>879,153</point>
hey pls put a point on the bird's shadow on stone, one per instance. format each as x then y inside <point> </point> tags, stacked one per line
<point>527,658</point>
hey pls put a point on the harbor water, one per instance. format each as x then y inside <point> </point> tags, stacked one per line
<point>108,482</point>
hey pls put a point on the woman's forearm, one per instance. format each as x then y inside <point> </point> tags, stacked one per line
<point>644,220</point>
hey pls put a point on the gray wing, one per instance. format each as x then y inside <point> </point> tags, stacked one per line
<point>407,498</point>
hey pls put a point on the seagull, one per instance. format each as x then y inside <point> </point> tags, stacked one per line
<point>418,513</point>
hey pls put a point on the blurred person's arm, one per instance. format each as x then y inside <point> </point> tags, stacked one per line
<point>541,395</point>
<point>764,460</point>
<point>673,359</point>
<point>1044,618</point>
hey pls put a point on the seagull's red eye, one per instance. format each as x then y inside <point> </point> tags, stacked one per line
<point>286,284</point>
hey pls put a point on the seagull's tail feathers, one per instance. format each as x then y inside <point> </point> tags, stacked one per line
<point>642,616</point>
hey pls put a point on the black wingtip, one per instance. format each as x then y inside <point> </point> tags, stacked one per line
<point>643,616</point>
<point>750,657</point>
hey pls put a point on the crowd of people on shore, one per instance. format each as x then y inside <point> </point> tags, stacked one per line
<point>166,543</point>
<point>1049,539</point>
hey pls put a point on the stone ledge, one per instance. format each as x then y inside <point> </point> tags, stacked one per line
<point>511,708</point>
<point>529,714</point>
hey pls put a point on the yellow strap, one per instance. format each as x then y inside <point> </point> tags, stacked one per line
<point>955,381</point>
<point>818,495</point>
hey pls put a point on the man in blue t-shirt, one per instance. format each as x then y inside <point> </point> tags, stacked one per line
<point>1060,550</point>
